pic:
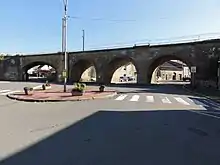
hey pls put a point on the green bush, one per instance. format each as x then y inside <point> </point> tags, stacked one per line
<point>79,87</point>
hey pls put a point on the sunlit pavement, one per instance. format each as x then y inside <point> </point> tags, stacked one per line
<point>151,125</point>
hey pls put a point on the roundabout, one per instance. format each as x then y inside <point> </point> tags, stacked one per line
<point>57,95</point>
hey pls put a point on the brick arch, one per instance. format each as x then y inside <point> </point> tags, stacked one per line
<point>155,62</point>
<point>30,65</point>
<point>78,68</point>
<point>114,64</point>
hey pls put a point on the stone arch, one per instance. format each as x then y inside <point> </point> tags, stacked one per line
<point>78,68</point>
<point>155,62</point>
<point>114,64</point>
<point>30,65</point>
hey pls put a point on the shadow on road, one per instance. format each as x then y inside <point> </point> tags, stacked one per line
<point>162,89</point>
<point>129,138</point>
<point>206,103</point>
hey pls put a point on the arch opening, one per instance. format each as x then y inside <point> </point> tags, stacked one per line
<point>122,70</point>
<point>170,70</point>
<point>39,72</point>
<point>83,71</point>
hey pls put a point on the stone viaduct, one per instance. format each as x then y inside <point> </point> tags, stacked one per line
<point>204,55</point>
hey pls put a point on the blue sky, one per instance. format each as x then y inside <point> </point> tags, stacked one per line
<point>34,26</point>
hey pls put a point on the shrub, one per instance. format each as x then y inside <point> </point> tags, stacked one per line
<point>79,87</point>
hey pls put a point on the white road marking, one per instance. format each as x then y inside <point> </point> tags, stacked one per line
<point>149,99</point>
<point>3,91</point>
<point>121,97</point>
<point>204,114</point>
<point>9,92</point>
<point>37,87</point>
<point>180,100</point>
<point>4,82</point>
<point>197,102</point>
<point>166,100</point>
<point>135,98</point>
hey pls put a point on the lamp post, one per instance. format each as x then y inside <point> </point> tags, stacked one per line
<point>183,71</point>
<point>218,76</point>
<point>83,37</point>
<point>64,42</point>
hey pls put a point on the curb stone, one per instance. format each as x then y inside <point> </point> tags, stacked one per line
<point>200,94</point>
<point>10,96</point>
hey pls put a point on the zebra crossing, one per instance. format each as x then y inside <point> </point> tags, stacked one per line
<point>183,100</point>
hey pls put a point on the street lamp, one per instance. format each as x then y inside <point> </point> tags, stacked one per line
<point>64,42</point>
<point>83,37</point>
<point>218,76</point>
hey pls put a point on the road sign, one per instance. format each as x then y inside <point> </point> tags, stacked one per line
<point>193,69</point>
<point>64,74</point>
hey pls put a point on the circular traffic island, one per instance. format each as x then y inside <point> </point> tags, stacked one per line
<point>57,95</point>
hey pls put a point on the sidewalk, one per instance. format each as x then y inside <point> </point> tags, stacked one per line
<point>57,95</point>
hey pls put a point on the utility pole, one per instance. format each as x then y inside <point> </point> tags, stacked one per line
<point>183,70</point>
<point>218,69</point>
<point>83,37</point>
<point>64,42</point>
<point>218,76</point>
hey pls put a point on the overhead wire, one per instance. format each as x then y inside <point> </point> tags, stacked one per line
<point>102,19</point>
<point>186,38</point>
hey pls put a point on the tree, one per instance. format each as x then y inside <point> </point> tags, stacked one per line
<point>2,57</point>
<point>213,68</point>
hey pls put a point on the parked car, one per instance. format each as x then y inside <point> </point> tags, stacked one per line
<point>123,78</point>
<point>126,78</point>
<point>186,79</point>
<point>93,79</point>
<point>131,78</point>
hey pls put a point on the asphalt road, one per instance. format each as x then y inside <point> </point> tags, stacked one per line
<point>152,125</point>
